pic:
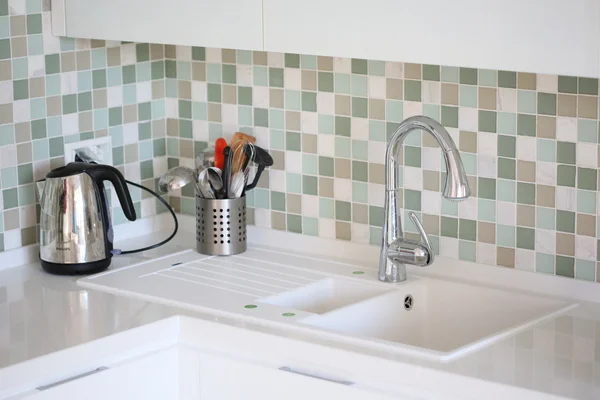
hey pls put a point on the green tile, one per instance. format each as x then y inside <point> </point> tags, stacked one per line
<point>360,85</point>
<point>526,125</point>
<point>142,52</point>
<point>146,169</point>
<point>34,24</point>
<point>507,146</point>
<point>293,100</point>
<point>377,131</point>
<point>310,164</point>
<point>325,166</point>
<point>544,263</point>
<point>546,150</point>
<point>294,223</point>
<point>3,7</point>
<point>412,156</point>
<point>10,198</point>
<point>545,218</point>
<point>360,171</point>
<point>38,129</point>
<point>507,123</point>
<point>292,60</point>
<point>585,270</point>
<point>20,68</point>
<point>157,71</point>
<point>450,116</point>
<point>566,152</point>
<point>342,126</point>
<point>468,96</point>
<point>588,86</point>
<point>21,89</point>
<point>486,188</point>
<point>41,150</point>
<point>245,95</point>
<point>547,103</point>
<point>52,85</point>
<point>9,177</point>
<point>586,202</point>
<point>505,235</point>
<point>293,141</point>
<point>214,73</point>
<point>467,251</point>
<point>525,238</point>
<point>144,131</point>
<point>326,208</point>
<point>185,129</point>
<point>69,104</point>
<point>587,178</point>
<point>526,101</point>
<point>293,183</point>
<point>276,77</point>
<point>325,82</point>
<point>431,72</point>
<point>278,201</point>
<point>449,207</point>
<point>198,53</point>
<point>525,193</point>
<point>468,76</point>
<point>310,226</point>
<point>35,45</point>
<point>341,82</point>
<point>587,130</point>
<point>567,84</point>
<point>375,216</point>
<point>98,58</point>
<point>52,64</point>
<point>310,185</point>
<point>145,110</point>
<point>229,74</point>
<point>84,101</point>
<point>360,150</point>
<point>99,78</point>
<point>467,229</point>
<point>185,109</point>
<point>449,74</point>
<point>359,107</point>
<point>360,192</point>
<point>343,147</point>
<point>394,111</point>
<point>488,77</point>
<point>159,147</point>
<point>7,135</point>
<point>566,175</point>
<point>376,68</point>
<point>412,90</point>
<point>214,92</point>
<point>343,210</point>
<point>115,116</point>
<point>276,119</point>
<point>261,117</point>
<point>449,227</point>
<point>487,121</point>
<point>486,210</point>
<point>26,195</point>
<point>128,72</point>
<point>507,168</point>
<point>360,66</point>
<point>4,49</point>
<point>309,101</point>
<point>565,266</point>
<point>565,221</point>
<point>507,79</point>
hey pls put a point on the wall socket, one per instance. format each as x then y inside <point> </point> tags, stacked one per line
<point>101,147</point>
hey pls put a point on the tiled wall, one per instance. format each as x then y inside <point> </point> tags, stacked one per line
<point>529,144</point>
<point>54,91</point>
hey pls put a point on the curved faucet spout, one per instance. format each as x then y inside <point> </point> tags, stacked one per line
<point>391,269</point>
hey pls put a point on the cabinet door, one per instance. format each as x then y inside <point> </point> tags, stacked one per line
<point>224,23</point>
<point>222,378</point>
<point>543,36</point>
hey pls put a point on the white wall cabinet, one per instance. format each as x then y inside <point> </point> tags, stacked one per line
<point>209,23</point>
<point>543,36</point>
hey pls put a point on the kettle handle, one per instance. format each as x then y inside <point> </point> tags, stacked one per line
<point>101,173</point>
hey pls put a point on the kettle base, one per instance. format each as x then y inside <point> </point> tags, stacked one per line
<point>76,269</point>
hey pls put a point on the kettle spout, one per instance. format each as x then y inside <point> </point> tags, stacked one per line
<point>39,188</point>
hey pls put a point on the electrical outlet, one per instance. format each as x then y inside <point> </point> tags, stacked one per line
<point>101,147</point>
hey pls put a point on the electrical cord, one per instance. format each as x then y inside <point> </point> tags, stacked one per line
<point>154,246</point>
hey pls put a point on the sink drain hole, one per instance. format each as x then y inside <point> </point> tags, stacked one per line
<point>408,302</point>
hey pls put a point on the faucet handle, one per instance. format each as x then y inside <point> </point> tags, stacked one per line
<point>424,236</point>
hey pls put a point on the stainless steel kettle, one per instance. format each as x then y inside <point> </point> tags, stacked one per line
<point>76,235</point>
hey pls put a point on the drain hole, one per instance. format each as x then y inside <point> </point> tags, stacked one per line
<point>408,302</point>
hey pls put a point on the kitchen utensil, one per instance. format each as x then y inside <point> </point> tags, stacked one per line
<point>75,226</point>
<point>238,141</point>
<point>240,178</point>
<point>262,159</point>
<point>221,226</point>
<point>226,172</point>
<point>210,182</point>
<point>176,178</point>
<point>220,144</point>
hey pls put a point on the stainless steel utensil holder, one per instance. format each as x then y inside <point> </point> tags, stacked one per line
<point>221,226</point>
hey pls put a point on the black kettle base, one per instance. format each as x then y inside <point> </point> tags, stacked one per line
<point>76,269</point>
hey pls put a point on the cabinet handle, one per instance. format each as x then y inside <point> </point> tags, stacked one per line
<point>70,379</point>
<point>333,380</point>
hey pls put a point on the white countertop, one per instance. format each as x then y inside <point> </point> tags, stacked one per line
<point>42,313</point>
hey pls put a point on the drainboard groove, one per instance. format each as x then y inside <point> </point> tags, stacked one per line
<point>253,295</point>
<point>231,277</point>
<point>313,276</point>
<point>272,274</point>
<point>225,282</point>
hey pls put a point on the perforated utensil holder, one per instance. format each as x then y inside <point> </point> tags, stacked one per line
<point>221,226</point>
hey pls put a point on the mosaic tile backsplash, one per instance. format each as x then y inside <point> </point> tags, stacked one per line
<point>529,142</point>
<point>59,90</point>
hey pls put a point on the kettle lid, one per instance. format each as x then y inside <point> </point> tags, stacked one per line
<point>72,168</point>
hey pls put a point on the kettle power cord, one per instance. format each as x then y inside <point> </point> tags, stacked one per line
<point>154,246</point>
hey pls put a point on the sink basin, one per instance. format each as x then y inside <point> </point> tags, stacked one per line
<point>438,319</point>
<point>325,295</point>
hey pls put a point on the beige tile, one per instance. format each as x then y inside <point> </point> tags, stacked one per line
<point>431,180</point>
<point>228,56</point>
<point>24,153</point>
<point>343,230</point>
<point>468,142</point>
<point>526,171</point>
<point>278,220</point>
<point>429,141</point>
<point>293,203</point>
<point>230,94</point>
<point>526,81</point>
<point>56,162</point>
<point>342,105</point>
<point>99,97</point>
<point>586,225</point>
<point>18,47</point>
<point>431,224</point>
<point>377,109</point>
<point>309,143</point>
<point>325,187</point>
<point>598,272</point>
<point>159,128</point>
<point>214,112</point>
<point>53,106</point>
<point>158,89</point>
<point>276,98</point>
<point>278,159</point>
<point>187,148</point>
<point>472,184</point>
<point>131,153</point>
<point>525,215</point>
<point>113,56</point>
<point>6,113</point>
<point>486,232</point>
<point>86,121</point>
<point>170,51</point>
<point>172,127</point>
<point>505,257</point>
<point>22,132</point>
<point>94,44</point>
<point>377,173</point>
<point>5,70</point>
<point>18,25</point>
<point>394,89</point>
<point>325,63</point>
<point>250,219</point>
<point>292,121</point>
<point>450,94</point>
<point>185,90</point>
<point>567,105</point>
<point>546,127</point>
<point>103,133</point>
<point>360,213</point>
<point>157,51</point>
<point>28,235</point>
<point>412,71</point>
<point>343,168</point>
<point>259,58</point>
<point>37,87</point>
<point>199,71</point>
<point>11,219</point>
<point>487,98</point>
<point>309,80</point>
<point>587,107</point>
<point>263,181</point>
<point>82,59</point>
<point>130,113</point>
<point>565,244</point>
<point>175,203</point>
<point>546,196</point>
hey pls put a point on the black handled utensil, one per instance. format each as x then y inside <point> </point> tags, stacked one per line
<point>263,159</point>
<point>226,174</point>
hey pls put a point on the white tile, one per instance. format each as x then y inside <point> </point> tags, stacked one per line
<point>413,178</point>
<point>546,173</point>
<point>360,128</point>
<point>326,145</point>
<point>27,216</point>
<point>360,233</point>
<point>143,91</point>
<point>309,122</point>
<point>148,207</point>
<point>293,162</point>
<point>213,55</point>
<point>132,172</point>
<point>377,152</point>
<point>506,213</point>
<point>431,159</point>
<point>327,228</point>
<point>545,241</point>
<point>467,208</point>
<point>262,136</point>
<point>114,96</point>
<point>547,83</point>
<point>587,155</point>
<point>525,260</point>
<point>487,166</point>
<point>86,44</point>
<point>70,124</point>
<point>244,75</point>
<point>276,60</point>
<point>566,198</point>
<point>566,129</point>
<point>394,69</point>
<point>229,117</point>
<point>431,92</point>
<point>130,133</point>
<point>6,92</point>
<point>12,239</point>
<point>376,194</point>
<point>160,165</point>
<point>448,247</point>
<point>17,7</point>
<point>310,206</point>
<point>292,78</point>
<point>526,148</point>
<point>21,111</point>
<point>184,53</point>
<point>486,253</point>
<point>468,119</point>
<point>8,156</point>
<point>377,87</point>
<point>342,65</point>
<point>325,103</point>
<point>51,43</point>
<point>172,108</point>
<point>199,91</point>
<point>585,247</point>
<point>342,189</point>
<point>40,169</point>
<point>200,130</point>
<point>277,180</point>
<point>507,100</point>
<point>36,66</point>
<point>487,144</point>
<point>260,96</point>
<point>262,217</point>
<point>412,108</point>
<point>108,43</point>
<point>128,54</point>
<point>431,202</point>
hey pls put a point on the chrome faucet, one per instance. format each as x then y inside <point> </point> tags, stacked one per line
<point>397,251</point>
